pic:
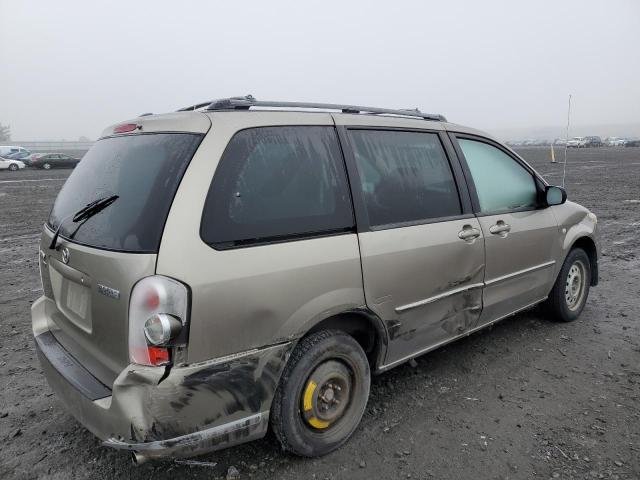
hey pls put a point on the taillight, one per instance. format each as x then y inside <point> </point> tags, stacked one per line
<point>157,319</point>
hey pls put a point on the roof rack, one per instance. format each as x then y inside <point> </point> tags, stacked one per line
<point>246,102</point>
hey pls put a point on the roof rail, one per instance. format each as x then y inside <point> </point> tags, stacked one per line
<point>245,103</point>
<point>194,107</point>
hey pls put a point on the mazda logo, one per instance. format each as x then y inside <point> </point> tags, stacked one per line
<point>65,255</point>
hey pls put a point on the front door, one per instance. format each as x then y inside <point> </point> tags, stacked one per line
<point>520,236</point>
<point>422,249</point>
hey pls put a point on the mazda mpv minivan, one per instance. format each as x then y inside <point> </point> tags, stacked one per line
<point>242,265</point>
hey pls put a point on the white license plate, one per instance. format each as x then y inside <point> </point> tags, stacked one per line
<point>77,299</point>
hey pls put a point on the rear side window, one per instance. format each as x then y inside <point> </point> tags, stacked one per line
<point>404,176</point>
<point>144,171</point>
<point>275,184</point>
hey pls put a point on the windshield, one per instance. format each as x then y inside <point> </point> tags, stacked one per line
<point>144,171</point>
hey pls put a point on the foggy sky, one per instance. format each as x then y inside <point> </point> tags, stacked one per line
<point>70,68</point>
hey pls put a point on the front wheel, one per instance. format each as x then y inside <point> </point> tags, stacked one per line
<point>322,394</point>
<point>569,294</point>
<point>13,167</point>
<point>46,166</point>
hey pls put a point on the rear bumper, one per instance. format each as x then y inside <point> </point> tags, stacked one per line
<point>195,409</point>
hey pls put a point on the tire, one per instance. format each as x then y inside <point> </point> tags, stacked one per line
<point>569,294</point>
<point>326,366</point>
<point>46,166</point>
<point>13,167</point>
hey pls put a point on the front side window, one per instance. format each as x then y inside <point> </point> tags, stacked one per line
<point>502,184</point>
<point>275,184</point>
<point>404,176</point>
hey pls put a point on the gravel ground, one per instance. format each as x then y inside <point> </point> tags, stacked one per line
<point>525,399</point>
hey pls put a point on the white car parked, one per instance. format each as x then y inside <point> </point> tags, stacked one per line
<point>12,165</point>
<point>7,149</point>
<point>577,142</point>
<point>616,142</point>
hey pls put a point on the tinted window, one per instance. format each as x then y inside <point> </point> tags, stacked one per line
<point>144,170</point>
<point>276,183</point>
<point>405,176</point>
<point>501,182</point>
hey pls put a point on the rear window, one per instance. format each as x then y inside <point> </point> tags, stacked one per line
<point>144,170</point>
<point>277,184</point>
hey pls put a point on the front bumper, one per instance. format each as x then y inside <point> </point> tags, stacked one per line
<point>195,409</point>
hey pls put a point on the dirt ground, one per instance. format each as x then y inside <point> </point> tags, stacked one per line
<point>525,399</point>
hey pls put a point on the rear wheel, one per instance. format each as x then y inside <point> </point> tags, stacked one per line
<point>569,294</point>
<point>46,166</point>
<point>322,394</point>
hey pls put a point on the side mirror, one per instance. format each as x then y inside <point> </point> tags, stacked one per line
<point>555,195</point>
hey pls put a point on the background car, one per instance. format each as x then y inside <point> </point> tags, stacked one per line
<point>24,156</point>
<point>8,149</point>
<point>53,160</point>
<point>10,164</point>
<point>614,141</point>
<point>593,141</point>
<point>19,155</point>
<point>632,142</point>
<point>577,142</point>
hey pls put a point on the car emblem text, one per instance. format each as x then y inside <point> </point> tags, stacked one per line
<point>108,291</point>
<point>65,255</point>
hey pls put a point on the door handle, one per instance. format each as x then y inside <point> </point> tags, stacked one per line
<point>500,228</point>
<point>468,233</point>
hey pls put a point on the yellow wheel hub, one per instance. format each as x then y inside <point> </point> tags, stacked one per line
<point>326,395</point>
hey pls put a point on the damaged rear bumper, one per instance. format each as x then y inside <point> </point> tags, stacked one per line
<point>196,409</point>
<point>207,440</point>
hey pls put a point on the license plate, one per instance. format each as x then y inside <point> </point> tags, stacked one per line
<point>77,299</point>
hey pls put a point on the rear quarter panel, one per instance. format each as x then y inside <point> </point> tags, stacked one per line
<point>256,296</point>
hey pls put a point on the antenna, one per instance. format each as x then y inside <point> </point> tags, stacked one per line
<point>564,167</point>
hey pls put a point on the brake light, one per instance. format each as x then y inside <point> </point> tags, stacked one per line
<point>158,355</point>
<point>158,313</point>
<point>126,127</point>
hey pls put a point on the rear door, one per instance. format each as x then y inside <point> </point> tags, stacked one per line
<point>422,250</point>
<point>521,238</point>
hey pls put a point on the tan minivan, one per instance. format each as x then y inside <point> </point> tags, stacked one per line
<point>242,264</point>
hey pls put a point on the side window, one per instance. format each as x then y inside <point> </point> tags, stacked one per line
<point>404,176</point>
<point>501,183</point>
<point>277,183</point>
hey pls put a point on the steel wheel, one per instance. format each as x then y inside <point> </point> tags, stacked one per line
<point>322,394</point>
<point>571,288</point>
<point>326,395</point>
<point>575,285</point>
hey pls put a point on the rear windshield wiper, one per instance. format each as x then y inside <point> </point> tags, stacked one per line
<point>84,214</point>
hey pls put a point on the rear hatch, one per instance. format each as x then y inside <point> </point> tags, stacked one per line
<point>89,276</point>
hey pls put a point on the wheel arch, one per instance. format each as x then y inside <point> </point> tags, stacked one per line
<point>587,244</point>
<point>364,326</point>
